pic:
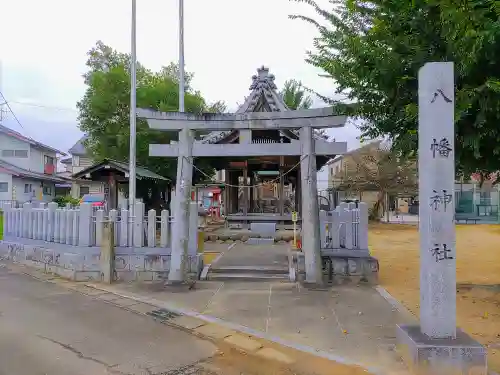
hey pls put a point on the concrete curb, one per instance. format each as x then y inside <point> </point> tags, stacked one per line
<point>395,303</point>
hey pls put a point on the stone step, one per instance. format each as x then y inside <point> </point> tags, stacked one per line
<point>258,270</point>
<point>247,277</point>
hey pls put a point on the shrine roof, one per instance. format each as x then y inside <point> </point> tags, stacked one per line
<point>263,98</point>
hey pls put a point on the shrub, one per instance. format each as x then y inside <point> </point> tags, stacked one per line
<point>63,201</point>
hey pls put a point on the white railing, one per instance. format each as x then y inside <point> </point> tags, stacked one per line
<point>345,228</point>
<point>83,226</point>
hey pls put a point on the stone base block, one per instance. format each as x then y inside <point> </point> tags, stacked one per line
<point>260,241</point>
<point>426,356</point>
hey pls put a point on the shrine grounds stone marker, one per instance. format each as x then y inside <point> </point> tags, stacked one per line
<point>437,346</point>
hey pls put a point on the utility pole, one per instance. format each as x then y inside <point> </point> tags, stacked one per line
<point>2,98</point>
<point>133,106</point>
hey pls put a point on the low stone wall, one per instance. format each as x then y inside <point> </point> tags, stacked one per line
<point>244,237</point>
<point>86,266</point>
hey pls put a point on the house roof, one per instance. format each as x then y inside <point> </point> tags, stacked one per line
<point>67,161</point>
<point>24,173</point>
<point>355,151</point>
<point>79,147</point>
<point>263,98</point>
<point>120,166</point>
<point>12,133</point>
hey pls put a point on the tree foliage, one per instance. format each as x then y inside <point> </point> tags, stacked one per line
<point>104,111</point>
<point>374,49</point>
<point>377,167</point>
<point>294,95</point>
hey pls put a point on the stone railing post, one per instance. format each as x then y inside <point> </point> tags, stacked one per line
<point>193,229</point>
<point>335,229</point>
<point>363,226</point>
<point>21,222</point>
<point>152,228</point>
<point>51,221</point>
<point>165,228</point>
<point>124,228</point>
<point>27,208</point>
<point>62,225</point>
<point>33,223</point>
<point>76,223</point>
<point>107,251</point>
<point>99,222</point>
<point>45,223</point>
<point>39,222</point>
<point>85,224</point>
<point>57,225</point>
<point>113,217</point>
<point>70,214</point>
<point>139,225</point>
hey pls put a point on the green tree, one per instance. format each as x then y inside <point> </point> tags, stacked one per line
<point>374,49</point>
<point>104,111</point>
<point>294,95</point>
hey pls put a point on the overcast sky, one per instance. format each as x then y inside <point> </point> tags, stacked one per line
<point>44,46</point>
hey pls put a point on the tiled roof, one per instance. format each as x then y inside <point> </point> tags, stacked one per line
<point>122,167</point>
<point>263,98</point>
<point>13,133</point>
<point>79,148</point>
<point>67,161</point>
<point>21,172</point>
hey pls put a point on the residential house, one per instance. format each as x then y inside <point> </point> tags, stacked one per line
<point>79,160</point>
<point>27,168</point>
<point>471,197</point>
<point>339,164</point>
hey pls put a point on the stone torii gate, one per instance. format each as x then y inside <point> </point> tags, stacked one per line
<point>307,147</point>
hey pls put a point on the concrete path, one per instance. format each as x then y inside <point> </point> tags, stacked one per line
<point>45,329</point>
<point>354,323</point>
<point>240,254</point>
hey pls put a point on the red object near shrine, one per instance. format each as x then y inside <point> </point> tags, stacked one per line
<point>214,209</point>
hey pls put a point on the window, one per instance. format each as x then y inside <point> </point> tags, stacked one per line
<point>47,190</point>
<point>21,153</point>
<point>4,187</point>
<point>84,190</point>
<point>48,160</point>
<point>27,188</point>
<point>76,161</point>
<point>15,153</point>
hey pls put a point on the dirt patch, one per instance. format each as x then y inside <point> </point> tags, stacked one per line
<point>230,361</point>
<point>478,276</point>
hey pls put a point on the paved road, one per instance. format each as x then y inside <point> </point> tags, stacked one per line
<point>45,329</point>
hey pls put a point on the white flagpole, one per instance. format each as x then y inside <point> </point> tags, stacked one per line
<point>181,56</point>
<point>133,105</point>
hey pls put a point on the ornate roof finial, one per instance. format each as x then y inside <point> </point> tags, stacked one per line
<point>263,78</point>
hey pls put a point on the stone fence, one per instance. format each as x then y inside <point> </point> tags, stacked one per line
<point>345,228</point>
<point>83,226</point>
<point>86,265</point>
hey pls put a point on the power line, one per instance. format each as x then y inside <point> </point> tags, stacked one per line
<point>13,114</point>
<point>45,106</point>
